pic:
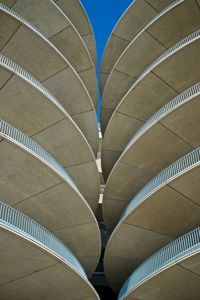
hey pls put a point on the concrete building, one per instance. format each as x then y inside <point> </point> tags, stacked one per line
<point>150,118</point>
<point>35,264</point>
<point>150,156</point>
<point>48,145</point>
<point>87,214</point>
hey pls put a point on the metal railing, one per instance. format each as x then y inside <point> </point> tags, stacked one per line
<point>11,133</point>
<point>176,102</point>
<point>13,220</point>
<point>177,47</point>
<point>11,12</point>
<point>13,67</point>
<point>24,21</point>
<point>157,17</point>
<point>179,167</point>
<point>178,250</point>
<point>183,43</point>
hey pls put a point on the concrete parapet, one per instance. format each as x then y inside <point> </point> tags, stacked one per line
<point>36,264</point>
<point>33,182</point>
<point>165,208</point>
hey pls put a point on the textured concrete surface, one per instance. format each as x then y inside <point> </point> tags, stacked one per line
<point>138,14</point>
<point>167,139</point>
<point>178,21</point>
<point>76,13</point>
<point>158,85</point>
<point>57,27</point>
<point>35,189</point>
<point>21,44</point>
<point>179,282</point>
<point>33,112</point>
<point>164,214</point>
<point>30,272</point>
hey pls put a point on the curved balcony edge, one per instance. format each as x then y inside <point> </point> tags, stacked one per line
<point>179,167</point>
<point>22,73</point>
<point>20,224</point>
<point>28,24</point>
<point>166,109</point>
<point>175,252</point>
<point>157,17</point>
<point>11,133</point>
<point>168,53</point>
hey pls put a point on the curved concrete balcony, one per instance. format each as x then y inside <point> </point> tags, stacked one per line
<point>165,208</point>
<point>134,19</point>
<point>59,30</point>
<point>77,14</point>
<point>169,134</point>
<point>174,71</point>
<point>30,107</point>
<point>171,273</point>
<point>35,264</point>
<point>167,28</point>
<point>21,41</point>
<point>33,182</point>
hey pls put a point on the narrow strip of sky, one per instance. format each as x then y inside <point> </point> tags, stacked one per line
<point>103,15</point>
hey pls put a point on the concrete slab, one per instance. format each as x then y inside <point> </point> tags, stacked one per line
<point>113,141</point>
<point>119,191</point>
<point>90,43</point>
<point>88,77</point>
<point>78,16</point>
<point>89,182</point>
<point>4,77</point>
<point>74,156</point>
<point>125,256</point>
<point>7,31</point>
<point>30,107</point>
<point>119,81</point>
<point>192,264</point>
<point>85,252</point>
<point>71,226</point>
<point>35,264</point>
<point>84,29</point>
<point>58,28</point>
<point>158,5</point>
<point>164,275</point>
<point>117,207</point>
<point>49,284</point>
<point>113,92</point>
<point>167,28</point>
<point>12,264</point>
<point>76,105</point>
<point>173,72</point>
<point>49,66</point>
<point>104,77</point>
<point>165,208</point>
<point>87,121</point>
<point>135,18</point>
<point>10,3</point>
<point>186,118</point>
<point>114,47</point>
<point>173,130</point>
<point>175,283</point>
<point>33,182</point>
<point>36,12</point>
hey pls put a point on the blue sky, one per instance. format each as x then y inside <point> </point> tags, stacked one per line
<point>103,15</point>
